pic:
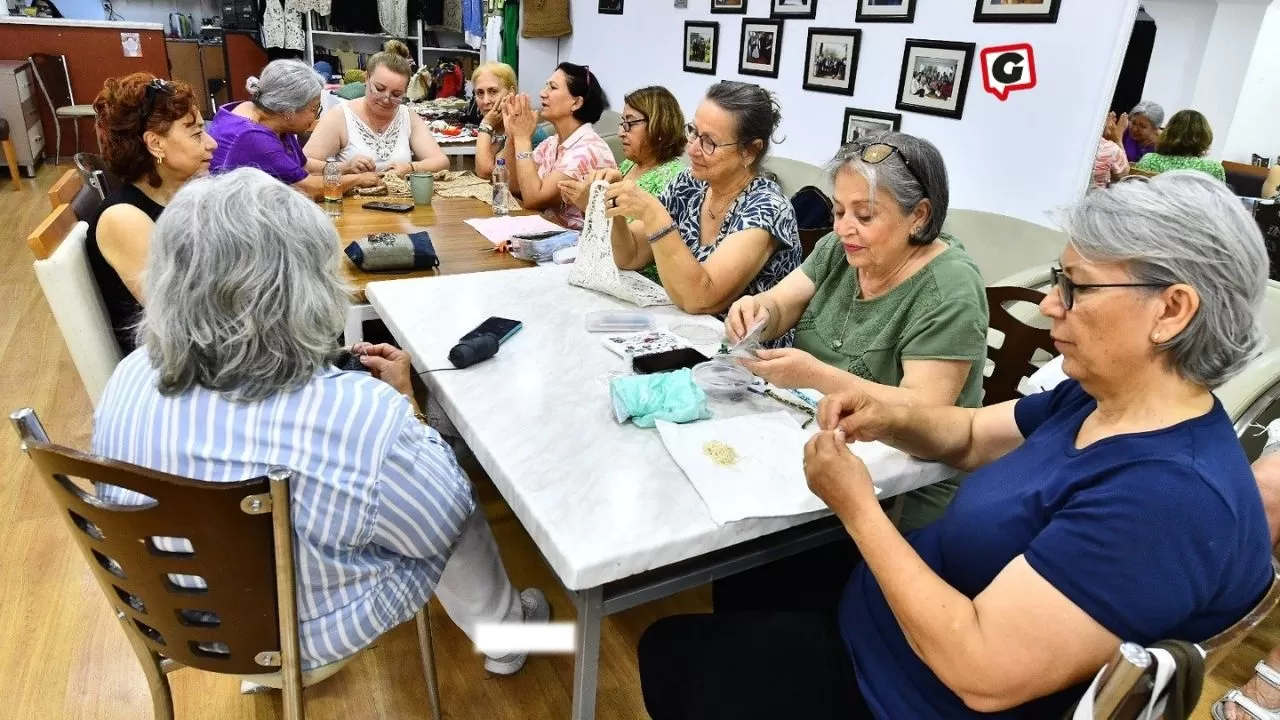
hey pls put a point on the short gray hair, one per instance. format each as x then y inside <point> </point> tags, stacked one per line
<point>1184,227</point>
<point>1154,112</point>
<point>285,86</point>
<point>893,173</point>
<point>242,287</point>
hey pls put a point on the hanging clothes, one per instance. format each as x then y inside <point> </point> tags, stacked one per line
<point>511,34</point>
<point>282,28</point>
<point>432,12</point>
<point>358,16</point>
<point>472,22</point>
<point>493,39</point>
<point>394,17</point>
<point>453,15</point>
<point>320,7</point>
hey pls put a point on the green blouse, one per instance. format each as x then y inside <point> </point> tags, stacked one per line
<point>1157,163</point>
<point>939,313</point>
<point>654,182</point>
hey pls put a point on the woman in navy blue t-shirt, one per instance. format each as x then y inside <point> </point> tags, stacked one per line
<point>1117,507</point>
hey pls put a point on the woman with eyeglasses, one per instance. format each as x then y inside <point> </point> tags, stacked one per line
<point>652,134</point>
<point>153,139</point>
<point>377,132</point>
<point>886,302</point>
<point>1118,506</point>
<point>720,229</point>
<point>571,100</point>
<point>263,132</point>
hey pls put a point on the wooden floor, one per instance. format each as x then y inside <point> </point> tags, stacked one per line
<point>62,655</point>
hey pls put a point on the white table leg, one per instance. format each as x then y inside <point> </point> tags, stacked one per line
<point>586,661</point>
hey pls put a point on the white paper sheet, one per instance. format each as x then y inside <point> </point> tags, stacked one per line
<point>1048,377</point>
<point>500,229</point>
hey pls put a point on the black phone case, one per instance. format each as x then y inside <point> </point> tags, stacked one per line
<point>388,207</point>
<point>667,361</point>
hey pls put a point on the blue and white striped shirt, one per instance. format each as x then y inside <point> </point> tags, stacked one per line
<point>378,497</point>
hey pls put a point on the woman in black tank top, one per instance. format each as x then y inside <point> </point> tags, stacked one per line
<point>153,139</point>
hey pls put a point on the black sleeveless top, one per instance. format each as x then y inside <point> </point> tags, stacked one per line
<point>123,308</point>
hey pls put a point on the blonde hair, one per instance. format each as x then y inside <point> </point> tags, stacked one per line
<point>394,57</point>
<point>504,72</point>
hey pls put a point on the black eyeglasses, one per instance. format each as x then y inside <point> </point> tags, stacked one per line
<point>708,145</point>
<point>1067,288</point>
<point>626,125</point>
<point>154,87</point>
<point>877,152</point>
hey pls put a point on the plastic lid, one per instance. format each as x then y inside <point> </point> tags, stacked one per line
<point>718,376</point>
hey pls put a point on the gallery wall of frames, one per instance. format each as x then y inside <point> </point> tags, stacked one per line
<point>840,68</point>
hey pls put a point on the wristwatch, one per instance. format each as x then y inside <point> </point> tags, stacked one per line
<point>524,155</point>
<point>486,128</point>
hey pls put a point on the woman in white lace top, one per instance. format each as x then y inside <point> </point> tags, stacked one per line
<point>377,132</point>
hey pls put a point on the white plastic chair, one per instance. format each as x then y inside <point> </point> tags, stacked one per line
<point>62,268</point>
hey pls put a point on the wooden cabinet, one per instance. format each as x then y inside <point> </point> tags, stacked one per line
<point>202,66</point>
<point>18,96</point>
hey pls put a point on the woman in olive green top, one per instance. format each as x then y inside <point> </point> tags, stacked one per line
<point>886,303</point>
<point>652,135</point>
<point>1183,145</point>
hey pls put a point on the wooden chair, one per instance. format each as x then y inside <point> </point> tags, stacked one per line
<point>244,621</point>
<point>10,155</point>
<point>62,268</point>
<point>70,189</point>
<point>1011,360</point>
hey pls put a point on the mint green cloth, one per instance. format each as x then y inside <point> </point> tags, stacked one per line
<point>939,313</point>
<point>671,396</point>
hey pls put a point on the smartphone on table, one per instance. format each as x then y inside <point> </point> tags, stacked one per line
<point>388,206</point>
<point>667,361</point>
<point>501,328</point>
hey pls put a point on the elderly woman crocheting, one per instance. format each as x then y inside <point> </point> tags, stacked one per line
<point>1058,545</point>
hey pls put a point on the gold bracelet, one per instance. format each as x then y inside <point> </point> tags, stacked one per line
<point>422,418</point>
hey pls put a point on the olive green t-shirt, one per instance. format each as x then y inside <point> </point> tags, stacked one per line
<point>939,313</point>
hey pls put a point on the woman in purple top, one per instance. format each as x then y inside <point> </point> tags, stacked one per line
<point>263,133</point>
<point>1139,131</point>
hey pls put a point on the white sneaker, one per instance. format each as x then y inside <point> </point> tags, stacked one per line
<point>536,610</point>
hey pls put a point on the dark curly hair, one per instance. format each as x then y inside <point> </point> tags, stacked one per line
<point>1187,134</point>
<point>119,107</point>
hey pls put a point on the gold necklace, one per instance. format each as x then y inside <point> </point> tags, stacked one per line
<point>848,313</point>
<point>725,206</point>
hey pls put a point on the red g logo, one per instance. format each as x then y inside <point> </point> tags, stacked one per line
<point>1008,68</point>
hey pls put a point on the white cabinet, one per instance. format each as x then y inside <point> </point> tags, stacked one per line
<point>18,106</point>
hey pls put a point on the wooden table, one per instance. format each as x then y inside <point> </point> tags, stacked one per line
<point>457,244</point>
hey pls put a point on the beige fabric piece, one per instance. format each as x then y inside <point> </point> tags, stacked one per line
<point>392,185</point>
<point>465,184</point>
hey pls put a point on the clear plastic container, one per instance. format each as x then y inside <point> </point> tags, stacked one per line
<point>722,380</point>
<point>619,321</point>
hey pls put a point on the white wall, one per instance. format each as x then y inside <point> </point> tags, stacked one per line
<point>1227,56</point>
<point>1182,33</point>
<point>150,11</point>
<point>1022,157</point>
<point>1255,126</point>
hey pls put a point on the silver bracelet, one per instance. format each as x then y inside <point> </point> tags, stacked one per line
<point>662,233</point>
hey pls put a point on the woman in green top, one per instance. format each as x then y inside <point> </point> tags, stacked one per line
<point>886,303</point>
<point>652,135</point>
<point>1182,146</point>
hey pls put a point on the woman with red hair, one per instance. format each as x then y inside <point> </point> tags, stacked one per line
<point>153,138</point>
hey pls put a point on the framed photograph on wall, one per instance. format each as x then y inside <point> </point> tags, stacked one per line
<point>1017,11</point>
<point>831,60</point>
<point>701,46</point>
<point>610,7</point>
<point>760,48</point>
<point>935,77</point>
<point>729,7</point>
<point>888,11</point>
<point>793,9</point>
<point>859,123</point>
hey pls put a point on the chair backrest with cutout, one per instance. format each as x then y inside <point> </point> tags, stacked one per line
<point>1011,360</point>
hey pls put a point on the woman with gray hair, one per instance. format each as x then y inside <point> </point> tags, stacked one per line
<point>720,228</point>
<point>1137,131</point>
<point>263,133</point>
<point>887,302</point>
<point>1117,507</point>
<point>234,376</point>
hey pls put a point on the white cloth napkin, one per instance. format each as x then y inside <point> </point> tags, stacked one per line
<point>1048,377</point>
<point>768,478</point>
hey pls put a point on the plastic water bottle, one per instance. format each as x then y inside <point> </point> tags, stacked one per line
<point>500,187</point>
<point>332,188</point>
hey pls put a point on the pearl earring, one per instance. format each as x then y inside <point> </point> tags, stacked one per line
<point>1155,337</point>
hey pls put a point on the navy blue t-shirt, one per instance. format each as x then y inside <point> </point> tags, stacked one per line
<point>1156,535</point>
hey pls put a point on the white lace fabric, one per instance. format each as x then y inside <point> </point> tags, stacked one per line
<point>595,269</point>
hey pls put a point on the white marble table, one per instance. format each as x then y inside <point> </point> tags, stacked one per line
<point>609,509</point>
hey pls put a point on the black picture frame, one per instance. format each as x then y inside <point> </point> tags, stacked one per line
<point>718,9</point>
<point>809,13</point>
<point>865,16</point>
<point>827,85</point>
<point>983,13</point>
<point>776,49</point>
<point>958,86</point>
<point>610,7</point>
<point>714,27</point>
<point>852,113</point>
